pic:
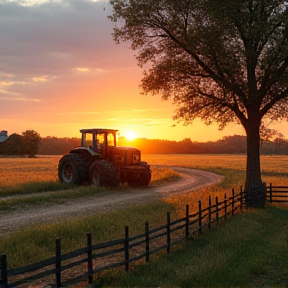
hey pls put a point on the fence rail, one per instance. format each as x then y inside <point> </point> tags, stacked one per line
<point>93,259</point>
<point>277,194</point>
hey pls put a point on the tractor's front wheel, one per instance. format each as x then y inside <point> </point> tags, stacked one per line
<point>103,174</point>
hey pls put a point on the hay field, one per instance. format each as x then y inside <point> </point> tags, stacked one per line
<point>15,171</point>
<point>269,163</point>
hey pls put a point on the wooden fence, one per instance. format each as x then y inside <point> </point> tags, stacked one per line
<point>94,258</point>
<point>277,194</point>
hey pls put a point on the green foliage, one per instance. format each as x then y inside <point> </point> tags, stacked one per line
<point>218,60</point>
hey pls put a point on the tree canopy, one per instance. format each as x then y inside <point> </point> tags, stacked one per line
<point>219,60</point>
<point>31,140</point>
<point>27,143</point>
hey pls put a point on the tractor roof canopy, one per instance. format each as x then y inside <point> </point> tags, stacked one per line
<point>98,130</point>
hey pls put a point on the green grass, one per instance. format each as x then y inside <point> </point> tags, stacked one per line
<point>250,250</point>
<point>234,178</point>
<point>33,187</point>
<point>58,196</point>
<point>21,245</point>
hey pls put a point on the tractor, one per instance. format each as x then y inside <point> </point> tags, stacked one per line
<point>100,162</point>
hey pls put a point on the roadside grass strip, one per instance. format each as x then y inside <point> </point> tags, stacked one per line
<point>37,242</point>
<point>249,250</point>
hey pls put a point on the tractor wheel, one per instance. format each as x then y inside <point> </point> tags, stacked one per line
<point>72,169</point>
<point>103,174</point>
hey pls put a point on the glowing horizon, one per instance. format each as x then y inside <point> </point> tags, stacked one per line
<point>59,75</point>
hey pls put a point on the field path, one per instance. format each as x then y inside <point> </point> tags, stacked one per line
<point>192,180</point>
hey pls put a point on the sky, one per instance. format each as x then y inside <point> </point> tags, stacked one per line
<point>61,71</point>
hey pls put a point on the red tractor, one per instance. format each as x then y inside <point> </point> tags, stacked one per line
<point>98,161</point>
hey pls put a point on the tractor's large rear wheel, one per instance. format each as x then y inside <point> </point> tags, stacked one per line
<point>73,169</point>
<point>103,174</point>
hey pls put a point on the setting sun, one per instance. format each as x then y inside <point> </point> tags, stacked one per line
<point>130,135</point>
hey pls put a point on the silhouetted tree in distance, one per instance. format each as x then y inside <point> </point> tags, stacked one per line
<point>31,140</point>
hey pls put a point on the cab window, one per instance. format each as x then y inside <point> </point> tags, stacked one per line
<point>110,139</point>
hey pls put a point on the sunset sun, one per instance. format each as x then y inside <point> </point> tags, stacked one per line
<point>130,135</point>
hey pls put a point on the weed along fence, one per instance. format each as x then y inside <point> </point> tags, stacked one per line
<point>80,265</point>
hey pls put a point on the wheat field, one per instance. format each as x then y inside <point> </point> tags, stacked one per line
<point>15,171</point>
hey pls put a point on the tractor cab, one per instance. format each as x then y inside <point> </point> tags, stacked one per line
<point>98,140</point>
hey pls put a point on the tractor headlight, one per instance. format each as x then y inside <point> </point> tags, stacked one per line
<point>136,158</point>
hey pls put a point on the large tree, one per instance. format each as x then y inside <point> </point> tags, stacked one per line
<point>220,60</point>
<point>31,141</point>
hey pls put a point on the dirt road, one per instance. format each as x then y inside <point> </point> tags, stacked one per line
<point>192,180</point>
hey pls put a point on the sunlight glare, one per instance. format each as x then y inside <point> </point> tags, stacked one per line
<point>130,135</point>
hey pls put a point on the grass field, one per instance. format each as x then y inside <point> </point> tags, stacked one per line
<point>15,171</point>
<point>18,171</point>
<point>255,230</point>
<point>249,250</point>
<point>24,176</point>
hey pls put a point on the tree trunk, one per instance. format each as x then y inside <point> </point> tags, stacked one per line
<point>255,189</point>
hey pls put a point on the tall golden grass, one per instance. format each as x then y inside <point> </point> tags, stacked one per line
<point>14,171</point>
<point>271,163</point>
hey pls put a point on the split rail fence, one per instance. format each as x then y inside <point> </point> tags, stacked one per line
<point>94,258</point>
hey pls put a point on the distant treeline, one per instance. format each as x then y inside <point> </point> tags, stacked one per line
<point>227,145</point>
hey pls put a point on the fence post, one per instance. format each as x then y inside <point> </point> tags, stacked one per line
<point>187,221</point>
<point>3,266</point>
<point>200,217</point>
<point>270,192</point>
<point>233,200</point>
<point>209,223</point>
<point>147,241</point>
<point>217,210</point>
<point>58,262</point>
<point>126,247</point>
<point>168,233</point>
<point>89,258</point>
<point>241,198</point>
<point>225,207</point>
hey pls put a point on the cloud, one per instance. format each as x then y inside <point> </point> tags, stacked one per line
<point>61,68</point>
<point>53,37</point>
<point>45,41</point>
<point>22,99</point>
<point>88,70</point>
<point>116,112</point>
<point>40,78</point>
